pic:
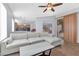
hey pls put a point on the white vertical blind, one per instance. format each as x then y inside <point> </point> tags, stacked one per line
<point>3,22</point>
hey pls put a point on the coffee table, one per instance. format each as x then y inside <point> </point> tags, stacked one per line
<point>34,49</point>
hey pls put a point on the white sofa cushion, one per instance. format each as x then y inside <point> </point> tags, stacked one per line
<point>44,34</point>
<point>51,39</point>
<point>33,34</point>
<point>17,43</point>
<point>18,35</point>
<point>35,40</point>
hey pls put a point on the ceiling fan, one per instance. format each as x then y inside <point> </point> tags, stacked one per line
<point>50,6</point>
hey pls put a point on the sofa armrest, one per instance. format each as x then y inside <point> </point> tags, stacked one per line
<point>3,45</point>
<point>5,42</point>
<point>6,39</point>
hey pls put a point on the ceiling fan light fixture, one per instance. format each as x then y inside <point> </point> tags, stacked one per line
<point>49,8</point>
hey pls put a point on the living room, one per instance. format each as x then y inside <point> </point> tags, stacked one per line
<point>29,26</point>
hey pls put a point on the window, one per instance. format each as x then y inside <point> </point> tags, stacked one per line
<point>3,24</point>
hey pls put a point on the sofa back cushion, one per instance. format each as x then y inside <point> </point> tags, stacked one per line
<point>19,35</point>
<point>32,34</point>
<point>44,34</point>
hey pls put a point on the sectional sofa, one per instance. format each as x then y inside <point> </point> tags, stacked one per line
<point>19,39</point>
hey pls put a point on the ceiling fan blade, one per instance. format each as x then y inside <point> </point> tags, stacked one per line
<point>52,9</point>
<point>57,4</point>
<point>42,6</point>
<point>44,10</point>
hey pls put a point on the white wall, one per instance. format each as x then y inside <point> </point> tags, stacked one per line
<point>39,26</point>
<point>38,23</point>
<point>48,19</point>
<point>9,19</point>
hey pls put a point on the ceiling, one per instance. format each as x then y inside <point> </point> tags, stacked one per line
<point>32,9</point>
